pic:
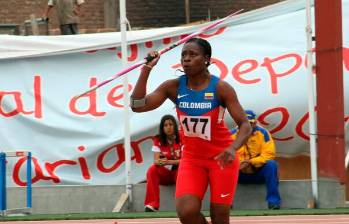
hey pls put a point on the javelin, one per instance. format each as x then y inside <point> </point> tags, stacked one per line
<point>147,59</point>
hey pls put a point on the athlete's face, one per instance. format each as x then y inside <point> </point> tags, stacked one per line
<point>193,59</point>
<point>168,127</point>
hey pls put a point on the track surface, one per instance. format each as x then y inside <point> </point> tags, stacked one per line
<point>295,219</point>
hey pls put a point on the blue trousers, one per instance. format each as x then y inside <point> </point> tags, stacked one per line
<point>267,174</point>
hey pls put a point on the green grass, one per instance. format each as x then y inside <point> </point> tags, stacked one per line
<point>135,215</point>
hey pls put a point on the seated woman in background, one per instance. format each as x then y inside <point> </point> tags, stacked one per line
<point>167,152</point>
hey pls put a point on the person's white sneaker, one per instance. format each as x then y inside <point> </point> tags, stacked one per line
<point>149,208</point>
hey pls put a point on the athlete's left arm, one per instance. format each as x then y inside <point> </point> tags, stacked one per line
<point>229,99</point>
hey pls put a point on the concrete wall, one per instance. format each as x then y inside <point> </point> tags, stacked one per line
<point>93,199</point>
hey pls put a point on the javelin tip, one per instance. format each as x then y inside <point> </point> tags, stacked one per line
<point>84,93</point>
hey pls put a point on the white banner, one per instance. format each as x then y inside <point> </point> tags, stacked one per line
<point>260,53</point>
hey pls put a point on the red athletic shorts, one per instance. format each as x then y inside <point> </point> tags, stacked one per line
<point>195,174</point>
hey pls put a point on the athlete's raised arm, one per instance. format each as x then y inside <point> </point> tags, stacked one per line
<point>140,100</point>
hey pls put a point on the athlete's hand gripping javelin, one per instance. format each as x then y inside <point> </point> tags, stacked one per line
<point>152,59</point>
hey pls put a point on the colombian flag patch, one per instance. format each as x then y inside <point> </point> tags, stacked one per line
<point>209,96</point>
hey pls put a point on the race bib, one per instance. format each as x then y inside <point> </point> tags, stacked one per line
<point>196,126</point>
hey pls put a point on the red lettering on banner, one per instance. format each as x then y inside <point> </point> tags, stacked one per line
<point>92,102</point>
<point>346,58</point>
<point>111,49</point>
<point>83,165</point>
<point>95,51</point>
<point>183,36</point>
<point>221,66</point>
<point>177,66</point>
<point>299,127</point>
<point>37,170</point>
<point>120,152</point>
<point>134,53</point>
<point>91,51</point>
<point>18,101</point>
<point>167,40</point>
<point>274,76</point>
<point>51,167</point>
<point>215,33</point>
<point>82,162</point>
<point>284,119</point>
<point>149,44</point>
<point>137,150</point>
<point>113,98</point>
<point>84,168</point>
<point>238,71</point>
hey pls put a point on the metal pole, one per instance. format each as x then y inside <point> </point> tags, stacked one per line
<point>2,181</point>
<point>311,104</point>
<point>34,25</point>
<point>187,11</point>
<point>29,180</point>
<point>127,142</point>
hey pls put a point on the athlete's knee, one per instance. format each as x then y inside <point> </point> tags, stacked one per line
<point>188,208</point>
<point>187,211</point>
<point>219,213</point>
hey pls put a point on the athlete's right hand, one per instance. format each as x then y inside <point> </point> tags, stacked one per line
<point>153,58</point>
<point>224,158</point>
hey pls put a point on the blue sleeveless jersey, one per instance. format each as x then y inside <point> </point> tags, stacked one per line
<point>201,117</point>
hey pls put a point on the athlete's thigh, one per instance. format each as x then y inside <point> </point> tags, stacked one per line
<point>192,178</point>
<point>223,182</point>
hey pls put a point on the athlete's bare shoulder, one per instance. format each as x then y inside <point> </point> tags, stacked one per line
<point>225,92</point>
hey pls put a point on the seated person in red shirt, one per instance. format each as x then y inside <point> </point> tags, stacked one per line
<point>167,152</point>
